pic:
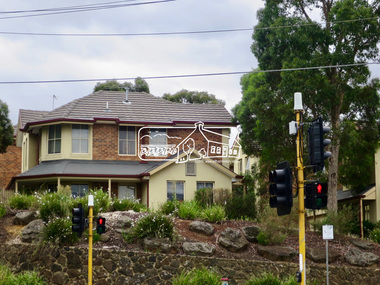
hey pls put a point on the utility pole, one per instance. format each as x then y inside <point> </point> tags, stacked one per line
<point>301,182</point>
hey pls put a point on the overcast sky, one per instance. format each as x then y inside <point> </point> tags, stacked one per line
<point>32,58</point>
<point>54,58</point>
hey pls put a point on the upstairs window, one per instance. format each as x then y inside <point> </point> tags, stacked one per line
<point>54,139</point>
<point>80,139</point>
<point>127,140</point>
<point>158,137</point>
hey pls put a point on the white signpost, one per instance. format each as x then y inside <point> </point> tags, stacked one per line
<point>327,233</point>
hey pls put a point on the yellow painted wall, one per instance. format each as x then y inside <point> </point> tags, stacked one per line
<point>66,145</point>
<point>29,151</point>
<point>177,172</point>
<point>377,178</point>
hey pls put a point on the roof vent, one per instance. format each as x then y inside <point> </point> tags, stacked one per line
<point>107,110</point>
<point>126,96</point>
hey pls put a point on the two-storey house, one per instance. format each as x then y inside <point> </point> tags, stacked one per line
<point>126,144</point>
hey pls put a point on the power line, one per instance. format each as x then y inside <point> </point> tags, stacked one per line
<point>188,75</point>
<point>85,9</point>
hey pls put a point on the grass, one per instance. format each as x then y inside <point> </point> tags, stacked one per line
<point>25,278</point>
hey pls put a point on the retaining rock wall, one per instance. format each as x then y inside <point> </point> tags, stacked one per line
<point>68,265</point>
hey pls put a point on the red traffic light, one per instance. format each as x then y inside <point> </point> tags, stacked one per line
<point>319,189</point>
<point>100,221</point>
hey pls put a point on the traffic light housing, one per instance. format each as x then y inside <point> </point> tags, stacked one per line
<point>101,225</point>
<point>280,189</point>
<point>78,220</point>
<point>317,143</point>
<point>316,195</point>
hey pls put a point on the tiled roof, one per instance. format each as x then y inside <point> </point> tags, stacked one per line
<point>141,108</point>
<point>30,116</point>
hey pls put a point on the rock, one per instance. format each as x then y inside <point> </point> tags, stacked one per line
<point>319,255</point>
<point>198,248</point>
<point>232,240</point>
<point>123,223</point>
<point>251,233</point>
<point>201,227</point>
<point>33,231</point>
<point>357,257</point>
<point>24,218</point>
<point>363,244</point>
<point>159,245</point>
<point>277,253</point>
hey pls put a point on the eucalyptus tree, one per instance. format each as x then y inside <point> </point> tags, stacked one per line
<point>321,48</point>
<point>6,129</point>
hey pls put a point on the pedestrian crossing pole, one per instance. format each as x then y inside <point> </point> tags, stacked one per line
<point>90,219</point>
<point>301,183</point>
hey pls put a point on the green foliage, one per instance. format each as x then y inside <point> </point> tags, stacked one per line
<point>58,231</point>
<point>188,210</point>
<point>170,207</point>
<point>101,201</point>
<point>21,201</point>
<point>201,276</point>
<point>6,129</point>
<point>213,214</point>
<point>375,235</point>
<point>270,279</point>
<point>3,210</point>
<point>153,225</point>
<point>191,97</point>
<point>112,85</point>
<point>240,207</point>
<point>368,227</point>
<point>204,197</point>
<point>24,278</point>
<point>54,205</point>
<point>271,234</point>
<point>126,205</point>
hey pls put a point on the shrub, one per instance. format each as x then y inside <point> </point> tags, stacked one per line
<point>170,207</point>
<point>24,278</point>
<point>201,276</point>
<point>270,279</point>
<point>3,210</point>
<point>58,231</point>
<point>126,205</point>
<point>101,201</point>
<point>375,235</point>
<point>151,225</point>
<point>214,214</point>
<point>239,207</point>
<point>188,210</point>
<point>204,197</point>
<point>368,227</point>
<point>54,205</point>
<point>271,234</point>
<point>21,201</point>
<point>221,196</point>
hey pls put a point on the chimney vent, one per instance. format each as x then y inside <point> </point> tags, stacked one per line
<point>126,96</point>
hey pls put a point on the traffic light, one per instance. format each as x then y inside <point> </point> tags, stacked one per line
<point>316,195</point>
<point>280,189</point>
<point>78,220</point>
<point>101,225</point>
<point>317,154</point>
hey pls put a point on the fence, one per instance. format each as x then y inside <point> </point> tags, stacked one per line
<point>5,195</point>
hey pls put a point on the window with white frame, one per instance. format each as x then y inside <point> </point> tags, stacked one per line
<point>54,139</point>
<point>205,185</point>
<point>127,140</point>
<point>190,168</point>
<point>158,137</point>
<point>79,190</point>
<point>175,190</point>
<point>79,139</point>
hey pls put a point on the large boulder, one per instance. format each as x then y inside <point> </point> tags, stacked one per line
<point>232,240</point>
<point>251,233</point>
<point>318,255</point>
<point>277,253</point>
<point>355,256</point>
<point>201,228</point>
<point>198,248</point>
<point>33,231</point>
<point>25,217</point>
<point>363,244</point>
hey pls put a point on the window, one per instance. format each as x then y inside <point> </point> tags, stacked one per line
<point>79,190</point>
<point>127,140</point>
<point>80,139</point>
<point>175,190</point>
<point>158,137</point>
<point>126,191</point>
<point>54,139</point>
<point>190,168</point>
<point>204,185</point>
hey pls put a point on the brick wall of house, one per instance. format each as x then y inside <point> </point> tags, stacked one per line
<point>105,141</point>
<point>10,165</point>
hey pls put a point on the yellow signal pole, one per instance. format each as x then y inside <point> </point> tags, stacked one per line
<point>90,217</point>
<point>301,182</point>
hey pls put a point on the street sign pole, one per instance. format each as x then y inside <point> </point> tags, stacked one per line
<point>327,233</point>
<point>301,202</point>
